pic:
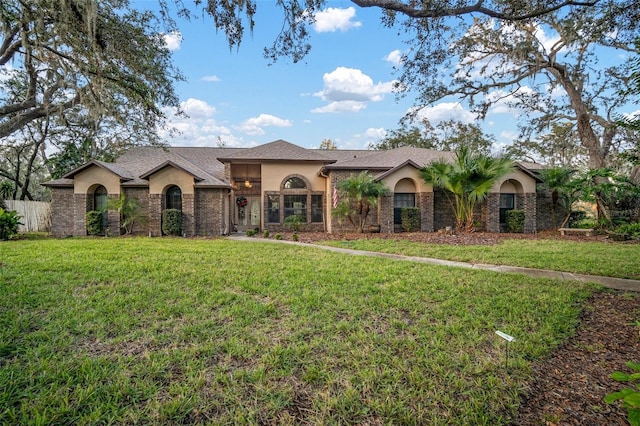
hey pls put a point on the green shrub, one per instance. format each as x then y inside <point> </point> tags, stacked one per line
<point>279,236</point>
<point>250,232</point>
<point>629,231</point>
<point>265,234</point>
<point>95,222</point>
<point>172,222</point>
<point>585,224</point>
<point>515,220</point>
<point>410,218</point>
<point>9,221</point>
<point>294,222</point>
<point>294,237</point>
<point>575,217</point>
<point>630,396</point>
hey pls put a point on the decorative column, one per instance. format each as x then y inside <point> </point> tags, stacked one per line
<point>188,215</point>
<point>80,209</point>
<point>155,215</point>
<point>385,214</point>
<point>425,204</point>
<point>493,212</point>
<point>530,221</point>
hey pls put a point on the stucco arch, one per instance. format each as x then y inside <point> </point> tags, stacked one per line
<point>406,185</point>
<point>511,186</point>
<point>307,184</point>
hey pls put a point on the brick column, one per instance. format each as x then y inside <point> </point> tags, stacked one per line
<point>493,212</point>
<point>385,214</point>
<point>113,217</point>
<point>425,204</point>
<point>79,215</point>
<point>155,215</point>
<point>530,222</point>
<point>188,215</point>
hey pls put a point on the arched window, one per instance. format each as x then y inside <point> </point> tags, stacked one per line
<point>173,198</point>
<point>100,198</point>
<point>294,183</point>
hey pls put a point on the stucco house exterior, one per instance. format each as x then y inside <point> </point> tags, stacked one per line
<point>222,189</point>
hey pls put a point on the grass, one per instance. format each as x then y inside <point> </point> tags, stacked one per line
<point>591,258</point>
<point>138,330</point>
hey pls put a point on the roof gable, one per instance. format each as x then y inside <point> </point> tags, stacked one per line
<point>121,172</point>
<point>279,150</point>
<point>170,163</point>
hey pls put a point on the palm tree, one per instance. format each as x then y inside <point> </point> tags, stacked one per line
<point>557,180</point>
<point>358,194</point>
<point>469,178</point>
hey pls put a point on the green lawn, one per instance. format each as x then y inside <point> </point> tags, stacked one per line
<point>592,258</point>
<point>138,330</point>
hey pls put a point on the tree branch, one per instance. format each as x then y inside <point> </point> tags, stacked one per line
<point>435,12</point>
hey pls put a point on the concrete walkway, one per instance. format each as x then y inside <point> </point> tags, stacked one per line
<point>610,282</point>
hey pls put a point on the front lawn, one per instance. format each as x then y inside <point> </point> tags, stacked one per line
<point>592,258</point>
<point>139,330</point>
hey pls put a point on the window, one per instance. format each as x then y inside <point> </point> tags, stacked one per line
<point>295,205</point>
<point>401,200</point>
<point>100,197</point>
<point>507,202</point>
<point>316,208</point>
<point>294,183</point>
<point>173,198</point>
<point>273,209</point>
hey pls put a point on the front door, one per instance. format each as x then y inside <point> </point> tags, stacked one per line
<point>248,216</point>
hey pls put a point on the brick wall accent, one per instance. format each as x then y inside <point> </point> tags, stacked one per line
<point>142,195</point>
<point>209,211</point>
<point>443,215</point>
<point>493,212</point>
<point>155,215</point>
<point>188,215</point>
<point>425,202</point>
<point>62,212</point>
<point>529,207</point>
<point>544,205</point>
<point>113,217</point>
<point>385,212</point>
<point>80,208</point>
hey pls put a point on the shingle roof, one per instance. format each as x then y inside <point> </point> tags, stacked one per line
<point>279,150</point>
<point>205,164</point>
<point>385,160</point>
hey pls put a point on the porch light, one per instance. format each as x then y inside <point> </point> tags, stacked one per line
<point>247,184</point>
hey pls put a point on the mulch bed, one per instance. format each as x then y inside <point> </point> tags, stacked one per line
<point>568,387</point>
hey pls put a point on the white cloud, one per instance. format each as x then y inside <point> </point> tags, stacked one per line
<point>335,19</point>
<point>212,78</point>
<point>395,57</point>
<point>172,40</point>
<point>506,103</point>
<point>253,126</point>
<point>349,89</point>
<point>342,106</point>
<point>196,108</point>
<point>446,111</point>
<point>375,133</point>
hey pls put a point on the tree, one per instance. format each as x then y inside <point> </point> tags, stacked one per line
<point>293,41</point>
<point>358,195</point>
<point>560,147</point>
<point>468,179</point>
<point>403,136</point>
<point>526,64</point>
<point>104,57</point>
<point>558,180</point>
<point>130,211</point>
<point>327,144</point>
<point>447,135</point>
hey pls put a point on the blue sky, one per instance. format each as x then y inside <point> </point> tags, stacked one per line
<point>341,91</point>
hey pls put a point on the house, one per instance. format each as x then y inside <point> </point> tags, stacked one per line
<point>223,189</point>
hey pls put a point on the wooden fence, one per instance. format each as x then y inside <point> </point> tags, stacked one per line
<point>36,215</point>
